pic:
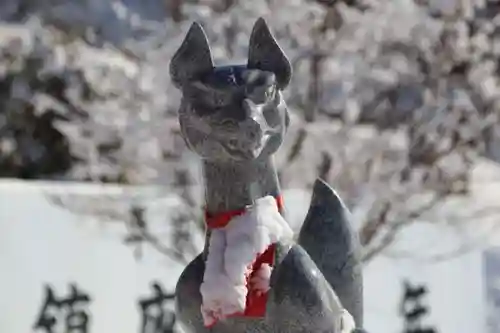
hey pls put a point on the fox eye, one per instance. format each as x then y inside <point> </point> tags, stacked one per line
<point>261,94</point>
<point>207,98</point>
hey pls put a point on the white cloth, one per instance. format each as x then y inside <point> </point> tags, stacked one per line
<point>231,252</point>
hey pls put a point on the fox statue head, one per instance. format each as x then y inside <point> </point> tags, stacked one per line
<point>232,113</point>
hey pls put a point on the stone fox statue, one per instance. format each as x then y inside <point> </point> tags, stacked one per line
<point>252,276</point>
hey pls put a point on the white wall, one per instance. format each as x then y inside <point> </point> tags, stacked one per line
<point>457,295</point>
<point>456,289</point>
<point>42,243</point>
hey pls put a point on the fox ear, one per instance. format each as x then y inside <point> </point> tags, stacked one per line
<point>192,58</point>
<point>265,54</point>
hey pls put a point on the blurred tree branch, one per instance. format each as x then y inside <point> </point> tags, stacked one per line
<point>390,102</point>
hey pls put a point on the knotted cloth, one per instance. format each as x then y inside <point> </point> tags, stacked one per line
<point>240,259</point>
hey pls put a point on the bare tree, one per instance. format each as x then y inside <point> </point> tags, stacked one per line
<point>392,104</point>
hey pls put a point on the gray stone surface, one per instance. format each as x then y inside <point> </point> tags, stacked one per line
<point>235,118</point>
<point>328,237</point>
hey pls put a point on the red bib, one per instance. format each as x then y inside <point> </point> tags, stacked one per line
<point>255,302</point>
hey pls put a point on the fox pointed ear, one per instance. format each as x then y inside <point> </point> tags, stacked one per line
<point>265,54</point>
<point>192,58</point>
